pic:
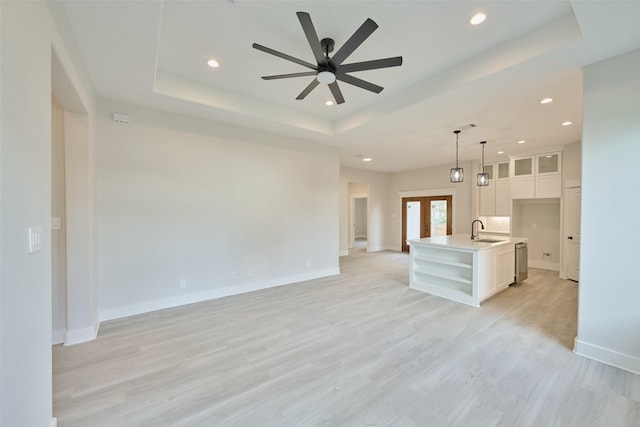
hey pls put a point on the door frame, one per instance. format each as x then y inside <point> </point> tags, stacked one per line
<point>564,261</point>
<point>352,208</point>
<point>425,215</point>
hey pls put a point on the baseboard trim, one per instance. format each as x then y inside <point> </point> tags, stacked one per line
<point>160,304</point>
<point>57,337</point>
<point>375,248</point>
<point>607,356</point>
<point>544,265</point>
<point>79,336</point>
<point>53,422</point>
<point>343,253</point>
<point>393,248</point>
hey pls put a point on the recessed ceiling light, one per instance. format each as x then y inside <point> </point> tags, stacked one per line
<point>548,157</point>
<point>522,141</point>
<point>567,123</point>
<point>478,18</point>
<point>213,63</point>
<point>546,100</point>
<point>500,152</point>
<point>366,159</point>
<point>328,103</point>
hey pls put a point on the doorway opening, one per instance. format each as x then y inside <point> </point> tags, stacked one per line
<point>360,222</point>
<point>358,234</point>
<point>426,217</point>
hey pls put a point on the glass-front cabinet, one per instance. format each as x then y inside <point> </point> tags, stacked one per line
<point>549,175</point>
<point>548,163</point>
<point>503,170</point>
<point>523,167</point>
<point>494,198</point>
<point>538,176</point>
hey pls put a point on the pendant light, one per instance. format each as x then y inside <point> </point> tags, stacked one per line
<point>483,178</point>
<point>457,173</point>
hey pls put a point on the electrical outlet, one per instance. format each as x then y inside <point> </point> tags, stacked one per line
<point>308,263</point>
<point>534,225</point>
<point>250,272</point>
<point>183,283</point>
<point>234,275</point>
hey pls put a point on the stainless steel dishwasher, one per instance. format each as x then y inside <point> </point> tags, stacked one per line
<point>521,263</point>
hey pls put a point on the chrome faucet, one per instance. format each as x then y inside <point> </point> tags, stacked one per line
<point>475,236</point>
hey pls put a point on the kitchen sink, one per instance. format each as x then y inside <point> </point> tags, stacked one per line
<point>488,241</point>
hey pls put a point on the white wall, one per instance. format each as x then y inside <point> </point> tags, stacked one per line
<point>227,209</point>
<point>428,180</point>
<point>377,183</point>
<point>28,32</point>
<point>572,161</point>
<point>608,315</point>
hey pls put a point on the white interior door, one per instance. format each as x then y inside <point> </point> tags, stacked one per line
<point>572,231</point>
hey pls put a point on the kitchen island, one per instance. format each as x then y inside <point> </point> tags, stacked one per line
<point>461,269</point>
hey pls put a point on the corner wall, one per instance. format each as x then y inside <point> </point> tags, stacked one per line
<point>28,32</point>
<point>608,315</point>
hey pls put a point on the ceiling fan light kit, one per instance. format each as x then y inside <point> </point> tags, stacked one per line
<point>457,173</point>
<point>328,70</point>
<point>326,77</point>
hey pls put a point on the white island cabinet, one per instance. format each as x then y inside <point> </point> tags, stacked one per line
<point>461,269</point>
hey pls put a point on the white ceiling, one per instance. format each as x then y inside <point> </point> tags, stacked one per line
<point>154,53</point>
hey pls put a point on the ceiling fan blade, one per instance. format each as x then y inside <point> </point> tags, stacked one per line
<point>359,82</point>
<point>284,56</point>
<point>336,92</point>
<point>354,41</point>
<point>312,36</point>
<point>371,65</point>
<point>308,89</point>
<point>286,76</point>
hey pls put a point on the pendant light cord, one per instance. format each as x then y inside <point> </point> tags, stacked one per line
<point>457,134</point>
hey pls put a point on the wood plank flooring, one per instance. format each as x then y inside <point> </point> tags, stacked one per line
<point>358,349</point>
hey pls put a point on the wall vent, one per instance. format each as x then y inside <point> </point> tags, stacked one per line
<point>121,118</point>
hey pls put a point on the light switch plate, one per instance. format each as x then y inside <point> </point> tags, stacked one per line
<point>35,239</point>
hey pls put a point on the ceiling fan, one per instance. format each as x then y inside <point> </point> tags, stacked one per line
<point>329,70</point>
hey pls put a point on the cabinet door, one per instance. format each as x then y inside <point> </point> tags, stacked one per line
<point>523,188</point>
<point>549,186</point>
<point>488,199</point>
<point>503,198</point>
<point>505,268</point>
<point>488,277</point>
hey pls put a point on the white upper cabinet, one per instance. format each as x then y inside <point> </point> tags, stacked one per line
<point>537,176</point>
<point>495,198</point>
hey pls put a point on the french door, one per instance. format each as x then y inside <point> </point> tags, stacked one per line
<point>425,217</point>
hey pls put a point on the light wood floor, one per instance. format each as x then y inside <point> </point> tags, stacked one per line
<point>359,349</point>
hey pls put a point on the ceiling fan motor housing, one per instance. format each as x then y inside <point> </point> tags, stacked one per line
<point>327,45</point>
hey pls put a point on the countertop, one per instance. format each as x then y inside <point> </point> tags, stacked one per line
<point>463,241</point>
